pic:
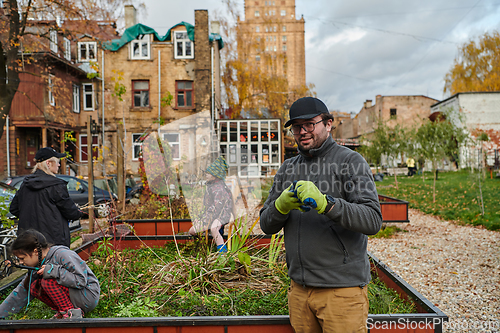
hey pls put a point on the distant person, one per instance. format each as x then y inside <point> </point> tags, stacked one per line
<point>217,202</point>
<point>59,278</point>
<point>43,203</point>
<point>410,163</point>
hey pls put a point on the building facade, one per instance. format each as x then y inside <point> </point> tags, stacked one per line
<point>278,36</point>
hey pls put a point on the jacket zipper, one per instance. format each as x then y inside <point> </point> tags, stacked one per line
<point>298,248</point>
<point>346,254</point>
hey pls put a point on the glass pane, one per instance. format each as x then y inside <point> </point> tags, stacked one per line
<point>244,154</point>
<point>274,136</point>
<point>83,140</point>
<point>189,101</point>
<point>223,126</point>
<point>88,101</point>
<point>265,153</point>
<point>233,129</point>
<point>83,51</point>
<point>180,99</point>
<point>264,131</point>
<point>137,151</point>
<point>91,51</point>
<point>141,85</point>
<point>171,137</point>
<point>180,85</point>
<point>188,85</point>
<point>87,88</point>
<point>254,126</point>
<point>223,149</point>
<point>188,48</point>
<point>175,151</point>
<point>179,49</point>
<point>243,131</point>
<point>232,153</point>
<point>145,98</point>
<point>255,154</point>
<point>144,49</point>
<point>135,51</point>
<point>137,99</point>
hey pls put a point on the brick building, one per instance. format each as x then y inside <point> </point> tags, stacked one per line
<point>182,66</point>
<point>79,78</point>
<point>392,110</point>
<point>272,25</point>
<point>52,91</point>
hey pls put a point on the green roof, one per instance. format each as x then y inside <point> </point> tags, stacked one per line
<point>140,29</point>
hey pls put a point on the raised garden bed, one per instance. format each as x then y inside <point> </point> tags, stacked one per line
<point>428,319</point>
<point>393,210</point>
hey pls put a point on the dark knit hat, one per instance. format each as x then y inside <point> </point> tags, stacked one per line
<point>306,108</point>
<point>46,153</point>
<point>218,168</point>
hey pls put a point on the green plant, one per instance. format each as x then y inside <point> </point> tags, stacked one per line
<point>138,308</point>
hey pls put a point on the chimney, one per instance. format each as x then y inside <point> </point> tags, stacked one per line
<point>130,16</point>
<point>215,27</point>
<point>368,103</point>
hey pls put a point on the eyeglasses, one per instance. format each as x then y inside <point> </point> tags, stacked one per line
<point>308,127</point>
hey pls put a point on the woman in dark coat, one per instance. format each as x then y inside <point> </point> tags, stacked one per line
<point>43,203</point>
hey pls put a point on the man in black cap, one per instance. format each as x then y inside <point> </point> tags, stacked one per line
<point>326,202</point>
<point>43,203</point>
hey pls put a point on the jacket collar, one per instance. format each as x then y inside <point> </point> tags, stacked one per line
<point>321,151</point>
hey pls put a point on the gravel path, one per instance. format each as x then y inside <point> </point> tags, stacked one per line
<point>455,267</point>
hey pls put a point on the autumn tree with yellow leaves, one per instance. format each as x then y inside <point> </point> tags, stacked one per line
<point>477,67</point>
<point>247,87</point>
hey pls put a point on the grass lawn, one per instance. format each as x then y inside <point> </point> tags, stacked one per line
<point>457,196</point>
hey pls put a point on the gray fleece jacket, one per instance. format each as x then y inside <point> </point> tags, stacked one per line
<point>328,250</point>
<point>69,270</point>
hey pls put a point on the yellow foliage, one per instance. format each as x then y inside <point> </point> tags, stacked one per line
<point>477,68</point>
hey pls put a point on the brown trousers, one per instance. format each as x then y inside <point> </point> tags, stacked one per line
<point>342,310</point>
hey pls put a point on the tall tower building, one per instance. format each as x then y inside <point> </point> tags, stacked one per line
<point>274,39</point>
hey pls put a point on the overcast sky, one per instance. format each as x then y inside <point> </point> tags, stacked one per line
<point>358,49</point>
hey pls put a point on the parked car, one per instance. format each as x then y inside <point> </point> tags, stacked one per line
<point>78,191</point>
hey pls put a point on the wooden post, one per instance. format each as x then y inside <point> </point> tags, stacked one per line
<point>120,172</point>
<point>62,169</point>
<point>44,137</point>
<point>90,167</point>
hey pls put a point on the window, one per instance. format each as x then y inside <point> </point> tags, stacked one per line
<point>267,29</point>
<point>274,28</point>
<point>67,49</point>
<point>284,28</point>
<point>87,51</point>
<point>88,97</point>
<point>283,38</point>
<point>140,93</point>
<point>173,140</point>
<point>393,113</point>
<point>283,12</point>
<point>257,29</point>
<point>274,48</point>
<point>137,146</point>
<point>84,146</point>
<point>183,45</point>
<point>76,98</point>
<point>257,13</point>
<point>284,47</point>
<point>53,41</point>
<point>184,93</point>
<point>257,57</point>
<point>140,47</point>
<point>52,100</point>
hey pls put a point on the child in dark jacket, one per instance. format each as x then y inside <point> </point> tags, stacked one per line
<point>58,277</point>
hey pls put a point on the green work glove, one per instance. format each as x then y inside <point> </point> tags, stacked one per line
<point>310,195</point>
<point>287,201</point>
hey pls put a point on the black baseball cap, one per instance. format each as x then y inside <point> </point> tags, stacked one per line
<point>306,108</point>
<point>46,153</point>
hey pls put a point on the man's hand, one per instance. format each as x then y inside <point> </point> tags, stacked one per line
<point>287,201</point>
<point>310,195</point>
